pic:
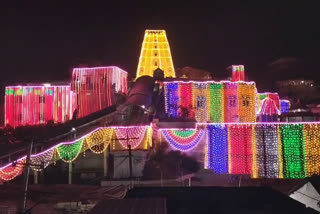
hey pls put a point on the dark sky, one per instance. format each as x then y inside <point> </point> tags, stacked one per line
<point>43,42</point>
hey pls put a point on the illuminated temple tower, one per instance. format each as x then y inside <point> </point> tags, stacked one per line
<point>155,53</point>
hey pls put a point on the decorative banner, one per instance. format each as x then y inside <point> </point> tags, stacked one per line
<point>218,148</point>
<point>136,134</point>
<point>293,150</point>
<point>12,170</point>
<point>240,151</point>
<point>183,140</point>
<point>69,152</point>
<point>311,135</point>
<point>267,150</point>
<point>98,141</point>
<point>42,158</point>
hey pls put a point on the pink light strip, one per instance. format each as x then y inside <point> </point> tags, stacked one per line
<point>212,81</point>
<point>72,142</point>
<point>37,86</point>
<point>103,67</point>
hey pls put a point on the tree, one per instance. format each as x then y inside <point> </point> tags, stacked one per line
<point>168,163</point>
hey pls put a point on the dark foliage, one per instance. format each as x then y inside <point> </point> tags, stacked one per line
<point>171,164</point>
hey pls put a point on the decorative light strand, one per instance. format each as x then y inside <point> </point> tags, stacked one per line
<point>183,140</point>
<point>137,132</point>
<point>11,171</point>
<point>69,152</point>
<point>293,151</point>
<point>43,158</point>
<point>98,141</point>
<point>218,148</point>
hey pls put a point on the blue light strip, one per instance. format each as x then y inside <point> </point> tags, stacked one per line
<point>218,148</point>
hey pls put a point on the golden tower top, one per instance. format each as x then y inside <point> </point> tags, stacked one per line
<point>155,53</point>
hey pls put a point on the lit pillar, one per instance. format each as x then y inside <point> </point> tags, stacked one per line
<point>70,173</point>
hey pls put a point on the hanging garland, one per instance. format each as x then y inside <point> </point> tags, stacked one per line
<point>183,140</point>
<point>98,141</point>
<point>69,152</point>
<point>41,158</point>
<point>11,171</point>
<point>136,132</point>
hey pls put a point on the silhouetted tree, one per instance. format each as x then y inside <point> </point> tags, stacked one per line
<point>171,163</point>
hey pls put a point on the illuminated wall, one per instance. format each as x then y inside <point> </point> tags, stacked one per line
<point>155,53</point>
<point>263,150</point>
<point>210,101</point>
<point>33,105</point>
<point>94,87</point>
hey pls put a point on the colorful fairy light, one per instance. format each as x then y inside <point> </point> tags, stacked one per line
<point>69,152</point>
<point>38,104</point>
<point>241,149</point>
<point>94,87</point>
<point>12,170</point>
<point>284,106</point>
<point>155,53</point>
<point>311,136</point>
<point>264,150</point>
<point>183,140</point>
<point>267,150</point>
<point>43,159</point>
<point>293,151</point>
<point>98,141</point>
<point>135,135</point>
<point>246,97</point>
<point>172,98</point>
<point>200,101</point>
<point>231,106</point>
<point>217,148</point>
<point>216,103</point>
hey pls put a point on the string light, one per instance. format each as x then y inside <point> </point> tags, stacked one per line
<point>217,148</point>
<point>267,150</point>
<point>231,106</point>
<point>43,158</point>
<point>137,132</point>
<point>246,96</point>
<point>93,87</point>
<point>216,104</point>
<point>38,104</point>
<point>69,152</point>
<point>183,140</point>
<point>200,100</point>
<point>293,152</point>
<point>311,135</point>
<point>284,106</point>
<point>241,148</point>
<point>98,141</point>
<point>11,171</point>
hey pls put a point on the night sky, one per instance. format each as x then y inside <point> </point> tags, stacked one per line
<point>41,43</point>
